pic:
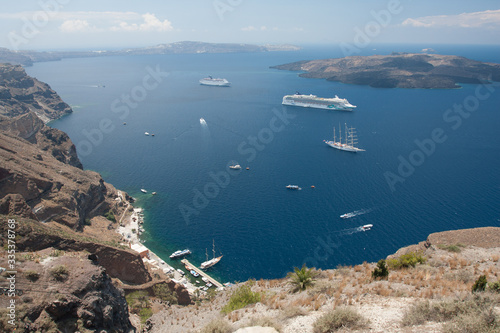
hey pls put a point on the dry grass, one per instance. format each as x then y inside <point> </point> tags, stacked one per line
<point>341,317</point>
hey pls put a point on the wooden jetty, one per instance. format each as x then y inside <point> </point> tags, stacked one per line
<point>190,266</point>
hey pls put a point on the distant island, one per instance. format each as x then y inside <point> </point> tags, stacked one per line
<point>27,58</point>
<point>399,70</point>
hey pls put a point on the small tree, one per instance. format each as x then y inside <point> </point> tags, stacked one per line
<point>480,284</point>
<point>381,270</point>
<point>302,278</point>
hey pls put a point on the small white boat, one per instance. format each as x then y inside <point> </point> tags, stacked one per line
<point>367,227</point>
<point>146,133</point>
<point>235,167</point>
<point>180,253</point>
<point>204,279</point>
<point>180,272</point>
<point>293,187</point>
<point>347,215</point>
<point>143,190</point>
<point>154,193</point>
<point>209,284</point>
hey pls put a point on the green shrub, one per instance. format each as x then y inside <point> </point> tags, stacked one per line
<point>410,259</point>
<point>110,216</point>
<point>32,275</point>
<point>60,273</point>
<point>452,247</point>
<point>145,314</point>
<point>341,317</point>
<point>494,286</point>
<point>480,284</point>
<point>381,270</point>
<point>240,298</point>
<point>301,279</point>
<point>162,291</point>
<point>137,300</point>
<point>217,326</point>
<point>56,253</point>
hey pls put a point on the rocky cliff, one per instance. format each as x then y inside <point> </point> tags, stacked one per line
<point>399,70</point>
<point>64,293</point>
<point>55,190</point>
<point>20,94</point>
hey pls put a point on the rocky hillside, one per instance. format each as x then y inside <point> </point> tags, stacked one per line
<point>399,70</point>
<point>64,293</point>
<point>432,295</point>
<point>55,190</point>
<point>72,266</point>
<point>20,94</point>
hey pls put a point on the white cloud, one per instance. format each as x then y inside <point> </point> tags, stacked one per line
<point>150,23</point>
<point>485,19</point>
<point>96,21</point>
<point>75,26</point>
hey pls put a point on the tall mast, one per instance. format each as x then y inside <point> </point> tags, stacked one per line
<point>213,247</point>
<point>340,134</point>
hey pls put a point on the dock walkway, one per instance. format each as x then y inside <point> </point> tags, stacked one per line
<point>190,266</point>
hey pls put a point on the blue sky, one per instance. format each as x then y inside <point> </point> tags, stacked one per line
<point>107,24</point>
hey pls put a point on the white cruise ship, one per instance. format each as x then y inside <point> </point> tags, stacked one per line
<point>210,81</point>
<point>313,101</point>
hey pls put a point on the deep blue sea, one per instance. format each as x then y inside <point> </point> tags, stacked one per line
<point>262,229</point>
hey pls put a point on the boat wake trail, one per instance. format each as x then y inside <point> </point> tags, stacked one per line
<point>356,213</point>
<point>350,231</point>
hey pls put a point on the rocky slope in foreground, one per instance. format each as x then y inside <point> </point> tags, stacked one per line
<point>453,262</point>
<point>399,70</point>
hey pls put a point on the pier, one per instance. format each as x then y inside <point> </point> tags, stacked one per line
<point>190,266</point>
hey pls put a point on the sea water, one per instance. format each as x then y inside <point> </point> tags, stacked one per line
<point>261,228</point>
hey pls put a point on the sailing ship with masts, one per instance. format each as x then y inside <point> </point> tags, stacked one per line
<point>350,140</point>
<point>209,263</point>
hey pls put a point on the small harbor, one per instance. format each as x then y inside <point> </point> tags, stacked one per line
<point>190,266</point>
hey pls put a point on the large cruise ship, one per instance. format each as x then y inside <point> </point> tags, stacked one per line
<point>210,81</point>
<point>313,101</point>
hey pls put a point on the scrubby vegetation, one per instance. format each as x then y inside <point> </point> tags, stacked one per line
<point>341,317</point>
<point>452,247</point>
<point>138,302</point>
<point>32,275</point>
<point>406,260</point>
<point>240,298</point>
<point>480,284</point>
<point>162,291</point>
<point>477,309</point>
<point>218,325</point>
<point>60,273</point>
<point>381,271</point>
<point>302,278</point>
<point>110,216</point>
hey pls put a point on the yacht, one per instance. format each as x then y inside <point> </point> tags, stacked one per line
<point>180,253</point>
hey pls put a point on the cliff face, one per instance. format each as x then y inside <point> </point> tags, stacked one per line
<point>399,70</point>
<point>65,293</point>
<point>54,189</point>
<point>20,94</point>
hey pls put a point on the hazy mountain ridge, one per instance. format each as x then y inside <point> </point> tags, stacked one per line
<point>27,58</point>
